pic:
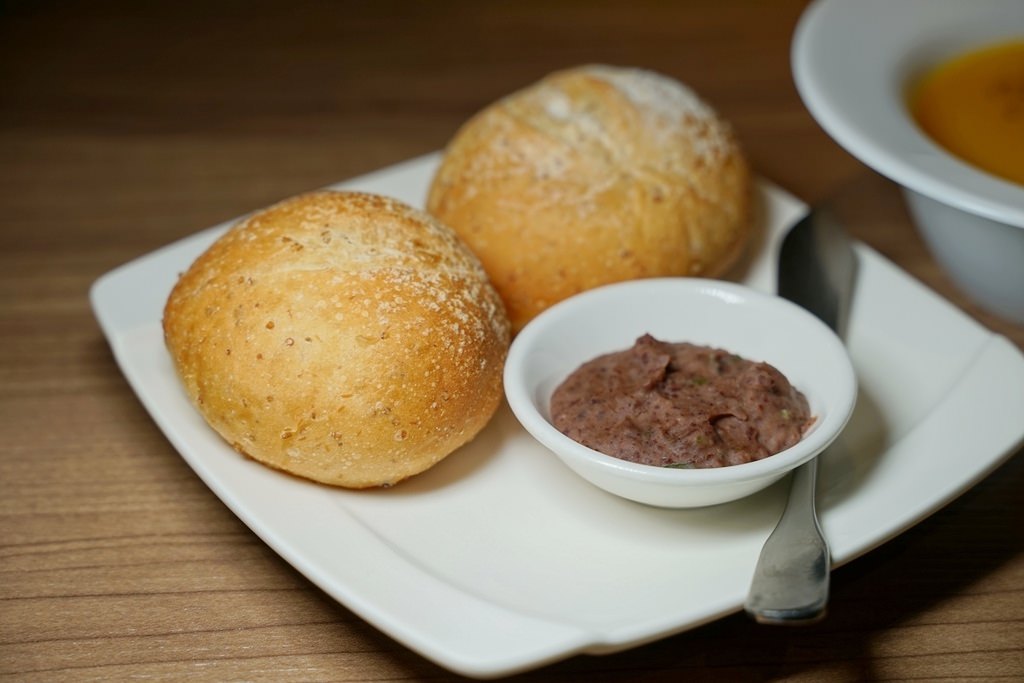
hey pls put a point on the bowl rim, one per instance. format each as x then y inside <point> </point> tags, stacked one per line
<point>906,37</point>
<point>520,395</point>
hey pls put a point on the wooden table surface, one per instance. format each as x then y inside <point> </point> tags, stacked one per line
<point>125,126</point>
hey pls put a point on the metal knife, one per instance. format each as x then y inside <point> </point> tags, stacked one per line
<point>817,270</point>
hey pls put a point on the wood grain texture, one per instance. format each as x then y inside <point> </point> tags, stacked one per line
<point>124,126</point>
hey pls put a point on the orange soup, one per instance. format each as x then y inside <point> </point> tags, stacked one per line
<point>973,105</point>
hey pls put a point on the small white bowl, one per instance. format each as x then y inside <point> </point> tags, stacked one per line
<point>853,63</point>
<point>757,326</point>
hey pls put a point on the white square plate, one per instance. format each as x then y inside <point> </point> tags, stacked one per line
<point>500,559</point>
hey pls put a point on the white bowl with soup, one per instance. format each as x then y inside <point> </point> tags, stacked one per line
<point>860,68</point>
<point>737,323</point>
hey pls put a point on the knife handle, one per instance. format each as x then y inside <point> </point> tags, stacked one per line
<point>791,580</point>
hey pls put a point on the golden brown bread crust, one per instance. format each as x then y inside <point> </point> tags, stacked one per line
<point>343,337</point>
<point>594,175</point>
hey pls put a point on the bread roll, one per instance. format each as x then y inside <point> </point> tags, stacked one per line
<point>594,175</point>
<point>343,337</point>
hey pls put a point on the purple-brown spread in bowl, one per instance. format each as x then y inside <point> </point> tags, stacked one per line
<point>680,405</point>
<point>714,313</point>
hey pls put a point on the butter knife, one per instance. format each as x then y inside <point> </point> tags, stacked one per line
<point>817,270</point>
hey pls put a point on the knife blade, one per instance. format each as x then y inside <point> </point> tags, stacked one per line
<point>817,269</point>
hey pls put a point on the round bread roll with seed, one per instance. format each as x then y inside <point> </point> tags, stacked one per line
<point>594,175</point>
<point>343,337</point>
